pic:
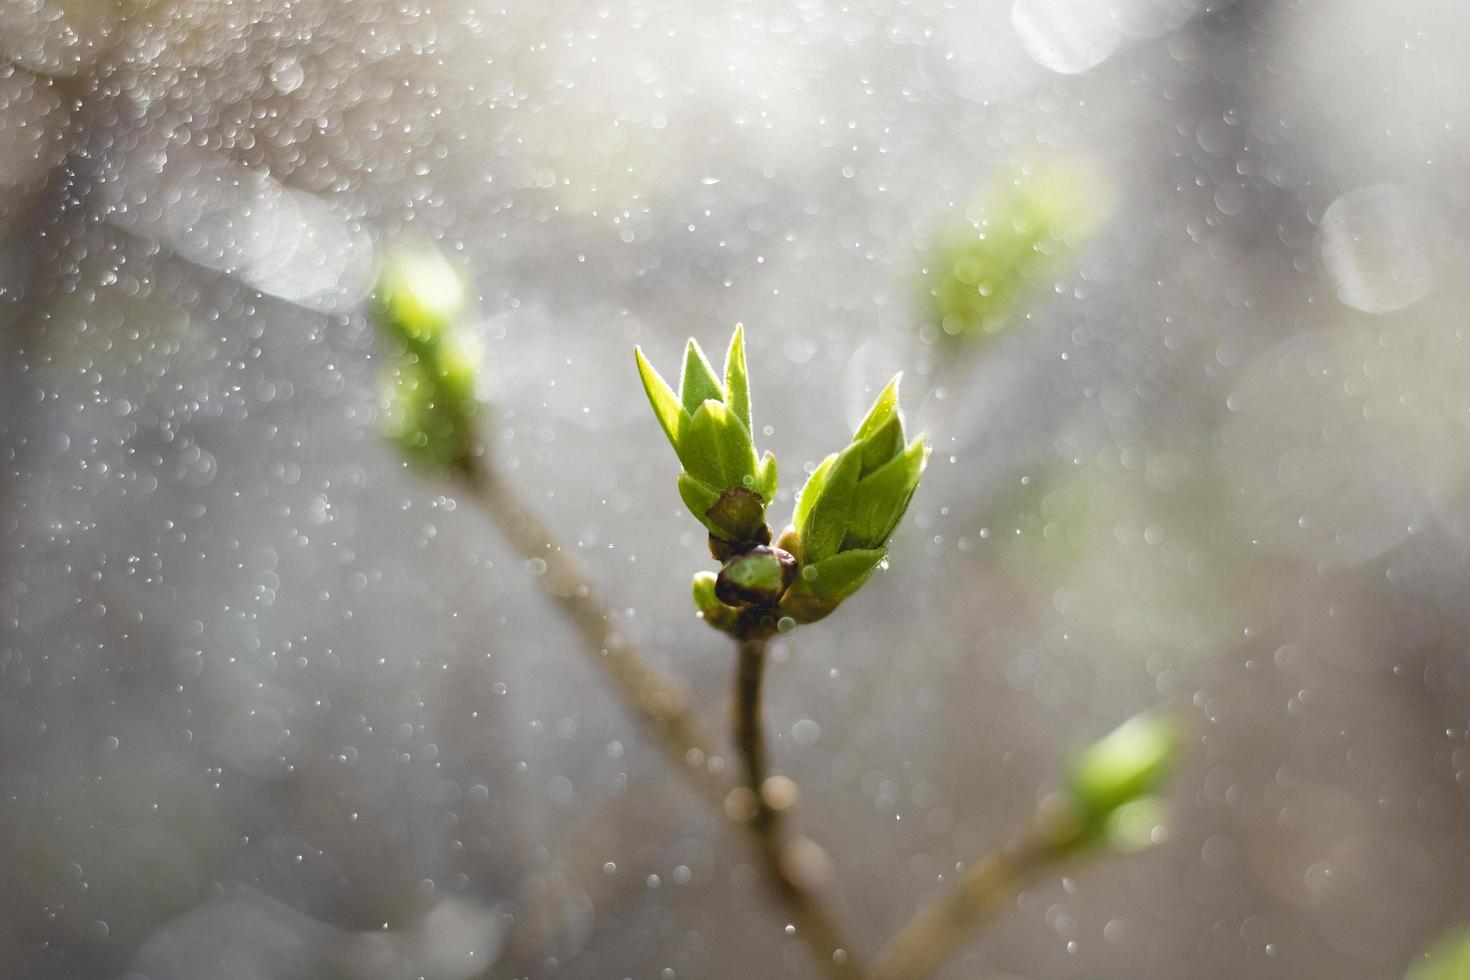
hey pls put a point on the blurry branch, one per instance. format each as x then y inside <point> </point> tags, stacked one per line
<point>945,924</point>
<point>657,700</point>
<point>433,415</point>
<point>838,537</point>
<point>750,736</point>
<point>661,704</point>
<point>1110,800</point>
<point>791,862</point>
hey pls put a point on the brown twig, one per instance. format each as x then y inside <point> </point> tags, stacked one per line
<point>657,700</point>
<point>750,736</point>
<point>782,853</point>
<point>941,926</point>
<point>662,705</point>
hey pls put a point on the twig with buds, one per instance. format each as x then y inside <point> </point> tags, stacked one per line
<point>766,586</point>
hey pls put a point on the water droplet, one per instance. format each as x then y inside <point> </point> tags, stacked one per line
<point>1376,248</point>
<point>286,74</point>
<point>1065,36</point>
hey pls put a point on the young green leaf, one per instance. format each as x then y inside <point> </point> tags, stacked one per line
<point>666,407</point>
<point>841,575</point>
<point>884,408</point>
<point>737,383</point>
<point>700,498</point>
<point>827,521</point>
<point>697,381</point>
<point>880,499</point>
<point>884,444</point>
<point>809,493</point>
<point>708,423</point>
<point>716,448</point>
<point>765,477</point>
<point>713,611</point>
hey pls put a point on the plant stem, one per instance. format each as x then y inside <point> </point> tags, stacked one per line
<point>750,734</point>
<point>662,705</point>
<point>941,926</point>
<point>780,852</point>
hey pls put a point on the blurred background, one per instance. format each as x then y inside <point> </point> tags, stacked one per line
<point>1178,287</point>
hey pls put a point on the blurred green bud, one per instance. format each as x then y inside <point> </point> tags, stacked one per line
<point>849,509</point>
<point>711,609</point>
<point>987,263</point>
<point>1447,959</point>
<point>708,423</point>
<point>1127,765</point>
<point>1136,825</point>
<point>419,294</point>
<point>429,400</point>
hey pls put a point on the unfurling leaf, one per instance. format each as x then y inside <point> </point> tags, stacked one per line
<point>708,424</point>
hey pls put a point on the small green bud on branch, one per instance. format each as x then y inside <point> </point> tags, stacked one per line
<point>429,380</point>
<point>757,578</point>
<point>849,509</point>
<point>986,262</point>
<point>844,516</point>
<point>1112,786</point>
<point>708,423</point>
<point>1110,796</point>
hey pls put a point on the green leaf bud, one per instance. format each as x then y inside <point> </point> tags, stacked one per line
<point>697,381</point>
<point>819,588</point>
<point>881,430</point>
<point>850,507</point>
<point>844,516</point>
<point>758,578</point>
<point>1006,247</point>
<point>738,515</point>
<point>716,449</point>
<point>708,423</point>
<point>737,381</point>
<point>826,522</point>
<point>710,608</point>
<point>429,378</point>
<point>880,499</point>
<point>419,294</point>
<point>1130,763</point>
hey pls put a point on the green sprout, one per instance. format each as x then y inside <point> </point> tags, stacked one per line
<point>844,516</point>
<point>429,382</point>
<point>849,508</point>
<point>708,424</point>
<point>1447,959</point>
<point>1112,787</point>
<point>987,262</point>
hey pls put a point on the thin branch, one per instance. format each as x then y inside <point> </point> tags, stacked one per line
<point>750,736</point>
<point>781,852</point>
<point>943,925</point>
<point>657,700</point>
<point>662,705</point>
